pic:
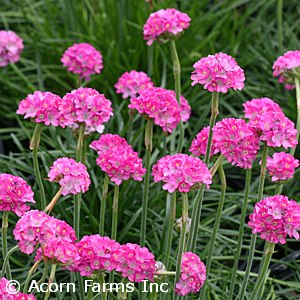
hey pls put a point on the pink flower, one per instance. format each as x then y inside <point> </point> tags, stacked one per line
<point>85,106</point>
<point>199,143</point>
<point>96,253</point>
<point>282,166</point>
<point>185,109</point>
<point>83,59</point>
<point>164,25</point>
<point>131,83</point>
<point>135,263</point>
<point>59,251</point>
<point>237,141</point>
<point>193,274</point>
<point>276,130</point>
<point>11,46</point>
<point>72,176</point>
<point>9,292</point>
<point>118,159</point>
<point>218,73</point>
<point>287,67</point>
<point>43,107</point>
<point>255,108</point>
<point>181,172</point>
<point>276,217</point>
<point>160,105</point>
<point>36,227</point>
<point>14,193</point>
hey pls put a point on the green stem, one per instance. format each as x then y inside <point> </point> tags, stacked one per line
<point>78,196</point>
<point>181,246</point>
<point>297,84</point>
<point>215,228</point>
<point>253,236</point>
<point>279,24</point>
<point>196,212</point>
<point>4,242</point>
<point>29,275</point>
<point>172,216</point>
<point>102,283</point>
<point>166,273</point>
<point>264,270</point>
<point>278,189</point>
<point>45,274</point>
<point>51,280</point>
<point>34,145</point>
<point>122,295</point>
<point>103,205</point>
<point>241,233</point>
<point>148,144</point>
<point>177,74</point>
<point>6,259</point>
<point>114,225</point>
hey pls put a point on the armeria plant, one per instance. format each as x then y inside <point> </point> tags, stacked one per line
<point>244,143</point>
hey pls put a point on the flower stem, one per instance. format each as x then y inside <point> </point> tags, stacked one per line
<point>78,196</point>
<point>172,216</point>
<point>264,270</point>
<point>215,228</point>
<point>34,145</point>
<point>6,259</point>
<point>103,205</point>
<point>253,236</point>
<point>29,275</point>
<point>52,203</point>
<point>148,144</point>
<point>241,233</point>
<point>279,24</point>
<point>297,84</point>
<point>278,189</point>
<point>102,284</point>
<point>177,72</point>
<point>114,225</point>
<point>51,280</point>
<point>196,212</point>
<point>166,273</point>
<point>4,242</point>
<point>181,246</point>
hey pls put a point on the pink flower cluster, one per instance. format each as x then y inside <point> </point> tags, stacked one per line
<point>255,108</point>
<point>193,274</point>
<point>131,83</point>
<point>165,24</point>
<point>86,106</point>
<point>218,73</point>
<point>237,141</point>
<point>5,287</point>
<point>275,218</point>
<point>181,172</point>
<point>160,105</point>
<point>36,227</point>
<point>11,46</point>
<point>286,67</point>
<point>43,107</point>
<point>83,59</point>
<point>14,193</point>
<point>59,251</point>
<point>199,144</point>
<point>282,166</point>
<point>185,109</point>
<point>72,176</point>
<point>101,253</point>
<point>118,159</point>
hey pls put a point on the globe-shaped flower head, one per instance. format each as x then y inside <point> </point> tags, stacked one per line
<point>287,67</point>
<point>85,106</point>
<point>14,193</point>
<point>218,73</point>
<point>83,59</point>
<point>42,107</point>
<point>275,218</point>
<point>11,46</point>
<point>281,166</point>
<point>131,83</point>
<point>192,276</point>
<point>72,176</point>
<point>164,25</point>
<point>237,141</point>
<point>181,172</point>
<point>118,159</point>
